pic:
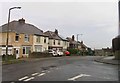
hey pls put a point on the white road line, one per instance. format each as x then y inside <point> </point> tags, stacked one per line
<point>76,77</point>
<point>48,71</point>
<point>97,63</point>
<point>41,74</point>
<point>29,79</point>
<point>43,71</point>
<point>34,74</point>
<point>23,78</point>
<point>12,82</point>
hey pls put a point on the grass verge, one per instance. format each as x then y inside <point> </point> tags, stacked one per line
<point>12,61</point>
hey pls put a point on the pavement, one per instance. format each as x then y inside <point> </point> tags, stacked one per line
<point>108,60</point>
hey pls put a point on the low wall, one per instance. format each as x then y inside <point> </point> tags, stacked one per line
<point>117,54</point>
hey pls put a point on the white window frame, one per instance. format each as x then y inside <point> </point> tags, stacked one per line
<point>25,49</point>
<point>38,38</point>
<point>26,38</point>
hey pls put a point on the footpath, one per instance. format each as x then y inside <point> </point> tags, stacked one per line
<point>108,60</point>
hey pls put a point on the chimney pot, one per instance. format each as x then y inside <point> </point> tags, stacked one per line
<point>21,20</point>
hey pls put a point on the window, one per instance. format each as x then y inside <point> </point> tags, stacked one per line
<point>38,48</point>
<point>65,43</point>
<point>17,37</point>
<point>26,50</point>
<point>58,42</point>
<point>38,39</point>
<point>44,40</point>
<point>54,42</point>
<point>26,38</point>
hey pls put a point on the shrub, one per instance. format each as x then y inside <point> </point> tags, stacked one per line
<point>39,54</point>
<point>9,57</point>
<point>73,51</point>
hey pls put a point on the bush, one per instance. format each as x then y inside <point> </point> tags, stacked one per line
<point>73,51</point>
<point>39,54</point>
<point>9,57</point>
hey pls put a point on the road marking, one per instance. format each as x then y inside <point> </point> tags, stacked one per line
<point>78,76</point>
<point>97,63</point>
<point>106,78</point>
<point>29,79</point>
<point>23,78</point>
<point>48,71</point>
<point>41,74</point>
<point>12,82</point>
<point>43,71</point>
<point>34,74</point>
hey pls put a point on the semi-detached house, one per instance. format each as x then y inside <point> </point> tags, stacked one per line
<point>56,42</point>
<point>23,39</point>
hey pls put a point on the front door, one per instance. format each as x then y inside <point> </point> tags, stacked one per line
<point>17,53</point>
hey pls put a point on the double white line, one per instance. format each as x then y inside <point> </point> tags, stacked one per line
<point>26,78</point>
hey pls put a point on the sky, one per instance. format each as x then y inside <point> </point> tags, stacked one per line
<point>97,20</point>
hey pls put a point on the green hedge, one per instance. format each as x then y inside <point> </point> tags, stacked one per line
<point>9,57</point>
<point>73,51</point>
<point>39,55</point>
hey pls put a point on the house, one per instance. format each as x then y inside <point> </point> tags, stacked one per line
<point>40,43</point>
<point>56,42</point>
<point>82,46</point>
<point>107,51</point>
<point>22,37</point>
<point>65,43</point>
<point>98,52</point>
<point>72,42</point>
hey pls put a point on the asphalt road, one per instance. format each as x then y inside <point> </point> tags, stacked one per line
<point>67,68</point>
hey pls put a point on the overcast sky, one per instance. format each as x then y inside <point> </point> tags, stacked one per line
<point>96,20</point>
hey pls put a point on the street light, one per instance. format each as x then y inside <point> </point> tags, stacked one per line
<point>77,39</point>
<point>8,29</point>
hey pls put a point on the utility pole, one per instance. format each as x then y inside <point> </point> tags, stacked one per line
<point>8,30</point>
<point>77,39</point>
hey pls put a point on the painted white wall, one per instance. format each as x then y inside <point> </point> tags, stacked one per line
<point>41,43</point>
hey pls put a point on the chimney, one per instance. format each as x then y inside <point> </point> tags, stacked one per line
<point>73,38</point>
<point>21,20</point>
<point>81,42</point>
<point>56,31</point>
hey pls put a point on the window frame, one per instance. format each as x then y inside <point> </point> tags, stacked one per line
<point>17,35</point>
<point>58,42</point>
<point>45,40</point>
<point>26,38</point>
<point>53,42</point>
<point>25,50</point>
<point>38,39</point>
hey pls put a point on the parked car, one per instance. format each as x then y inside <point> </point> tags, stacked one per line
<point>67,53</point>
<point>56,52</point>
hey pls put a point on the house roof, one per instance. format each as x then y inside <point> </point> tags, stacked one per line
<point>52,35</point>
<point>63,38</point>
<point>21,27</point>
<point>71,41</point>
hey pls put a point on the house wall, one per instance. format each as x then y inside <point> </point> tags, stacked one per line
<point>65,45</point>
<point>51,43</point>
<point>17,44</point>
<point>41,43</point>
<point>3,37</point>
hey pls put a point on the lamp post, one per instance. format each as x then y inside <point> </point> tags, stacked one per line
<point>77,39</point>
<point>8,29</point>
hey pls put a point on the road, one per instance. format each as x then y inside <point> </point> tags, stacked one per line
<point>67,68</point>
